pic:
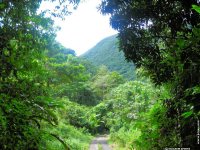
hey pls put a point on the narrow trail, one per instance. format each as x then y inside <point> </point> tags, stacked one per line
<point>100,140</point>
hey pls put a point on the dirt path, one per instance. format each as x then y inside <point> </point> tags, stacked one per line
<point>100,140</point>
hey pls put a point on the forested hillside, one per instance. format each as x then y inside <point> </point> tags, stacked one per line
<point>50,99</point>
<point>107,53</point>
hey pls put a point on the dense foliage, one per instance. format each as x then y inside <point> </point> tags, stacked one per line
<point>163,37</point>
<point>51,99</point>
<point>25,99</point>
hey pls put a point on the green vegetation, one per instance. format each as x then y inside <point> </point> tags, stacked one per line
<point>163,38</point>
<point>70,129</point>
<point>100,147</point>
<point>51,99</point>
<point>107,53</point>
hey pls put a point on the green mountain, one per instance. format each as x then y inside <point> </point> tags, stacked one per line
<point>107,53</point>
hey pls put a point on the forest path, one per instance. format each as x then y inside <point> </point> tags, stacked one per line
<point>102,141</point>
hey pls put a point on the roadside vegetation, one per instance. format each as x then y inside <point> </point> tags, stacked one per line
<point>52,99</point>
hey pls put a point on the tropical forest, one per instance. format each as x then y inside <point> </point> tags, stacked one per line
<point>136,90</point>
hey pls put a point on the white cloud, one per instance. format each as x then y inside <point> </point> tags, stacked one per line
<point>84,28</point>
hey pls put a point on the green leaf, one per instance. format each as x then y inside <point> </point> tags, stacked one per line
<point>196,8</point>
<point>187,114</point>
<point>2,6</point>
<point>181,43</point>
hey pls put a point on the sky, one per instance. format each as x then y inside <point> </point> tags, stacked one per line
<point>84,28</point>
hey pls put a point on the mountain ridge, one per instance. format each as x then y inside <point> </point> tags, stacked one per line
<point>106,52</point>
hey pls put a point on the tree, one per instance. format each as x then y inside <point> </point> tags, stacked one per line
<point>104,81</point>
<point>163,37</point>
<point>24,96</point>
<point>69,78</point>
<point>148,28</point>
